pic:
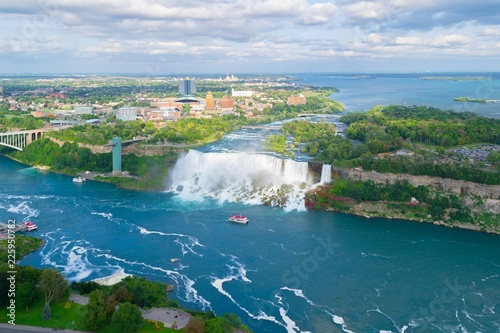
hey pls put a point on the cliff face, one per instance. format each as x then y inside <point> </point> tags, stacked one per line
<point>458,187</point>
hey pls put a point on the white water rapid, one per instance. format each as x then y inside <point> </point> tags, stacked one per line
<point>241,177</point>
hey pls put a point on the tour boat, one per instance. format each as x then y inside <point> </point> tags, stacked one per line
<point>78,180</point>
<point>238,219</point>
<point>30,226</point>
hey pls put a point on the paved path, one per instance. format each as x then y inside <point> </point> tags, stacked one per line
<point>7,328</point>
<point>167,316</point>
<point>78,299</point>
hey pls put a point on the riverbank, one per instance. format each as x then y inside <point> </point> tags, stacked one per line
<point>440,208</point>
<point>112,279</point>
<point>24,245</point>
<point>144,173</point>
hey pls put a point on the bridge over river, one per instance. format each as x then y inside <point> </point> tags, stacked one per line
<point>20,139</point>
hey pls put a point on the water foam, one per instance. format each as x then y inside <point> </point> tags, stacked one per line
<point>326,174</point>
<point>108,216</point>
<point>186,247</point>
<point>181,280</point>
<point>73,253</point>
<point>241,177</point>
<point>24,209</point>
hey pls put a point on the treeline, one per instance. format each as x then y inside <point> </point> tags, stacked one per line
<point>372,133</point>
<point>27,122</point>
<point>68,158</point>
<point>198,130</point>
<point>188,130</point>
<point>429,205</point>
<point>100,135</point>
<point>417,167</point>
<point>315,104</point>
<point>423,125</point>
<point>136,292</point>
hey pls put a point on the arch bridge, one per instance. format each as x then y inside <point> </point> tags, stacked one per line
<point>20,139</point>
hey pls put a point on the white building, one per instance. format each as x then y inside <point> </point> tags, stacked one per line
<point>241,93</point>
<point>82,109</point>
<point>126,113</point>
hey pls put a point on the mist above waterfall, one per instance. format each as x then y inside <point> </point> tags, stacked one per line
<point>241,177</point>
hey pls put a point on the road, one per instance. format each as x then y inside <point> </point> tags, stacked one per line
<point>6,328</point>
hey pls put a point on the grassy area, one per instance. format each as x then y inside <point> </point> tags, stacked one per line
<point>64,314</point>
<point>24,246</point>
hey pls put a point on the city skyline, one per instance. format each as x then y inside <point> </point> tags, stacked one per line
<point>151,37</point>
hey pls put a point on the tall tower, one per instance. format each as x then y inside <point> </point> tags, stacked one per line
<point>209,101</point>
<point>187,87</point>
<point>117,155</point>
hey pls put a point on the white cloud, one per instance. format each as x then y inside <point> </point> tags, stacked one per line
<point>256,32</point>
<point>367,10</point>
<point>451,40</point>
<point>491,32</point>
<point>319,13</point>
<point>408,40</point>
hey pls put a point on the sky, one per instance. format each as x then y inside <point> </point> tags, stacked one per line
<point>159,37</point>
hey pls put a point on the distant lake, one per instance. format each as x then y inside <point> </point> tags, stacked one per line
<point>361,92</point>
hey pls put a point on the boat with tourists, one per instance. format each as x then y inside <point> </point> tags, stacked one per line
<point>238,219</point>
<point>78,179</point>
<point>29,226</point>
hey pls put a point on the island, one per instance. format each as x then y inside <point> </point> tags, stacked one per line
<point>470,100</point>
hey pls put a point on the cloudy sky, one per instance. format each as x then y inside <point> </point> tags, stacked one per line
<point>248,36</point>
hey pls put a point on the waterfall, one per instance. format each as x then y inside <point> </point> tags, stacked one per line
<point>241,177</point>
<point>326,174</point>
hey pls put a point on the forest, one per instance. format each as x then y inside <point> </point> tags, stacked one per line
<point>20,122</point>
<point>413,202</point>
<point>420,124</point>
<point>427,133</point>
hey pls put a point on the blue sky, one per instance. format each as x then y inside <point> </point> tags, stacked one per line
<point>237,36</point>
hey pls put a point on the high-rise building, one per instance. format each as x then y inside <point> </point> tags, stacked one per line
<point>1,90</point>
<point>209,101</point>
<point>187,87</point>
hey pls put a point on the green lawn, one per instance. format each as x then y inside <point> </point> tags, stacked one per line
<point>63,315</point>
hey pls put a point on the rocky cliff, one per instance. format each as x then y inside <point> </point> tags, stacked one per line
<point>458,187</point>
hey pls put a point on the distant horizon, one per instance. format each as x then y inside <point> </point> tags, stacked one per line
<point>180,74</point>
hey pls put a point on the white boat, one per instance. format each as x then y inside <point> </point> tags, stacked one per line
<point>78,180</point>
<point>238,219</point>
<point>30,226</point>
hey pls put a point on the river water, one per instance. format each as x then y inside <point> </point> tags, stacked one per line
<point>287,270</point>
<point>360,92</point>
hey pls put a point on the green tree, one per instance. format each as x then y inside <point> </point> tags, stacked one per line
<point>53,285</point>
<point>123,295</point>
<point>95,314</point>
<point>25,294</point>
<point>218,325</point>
<point>111,303</point>
<point>127,319</point>
<point>195,325</point>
